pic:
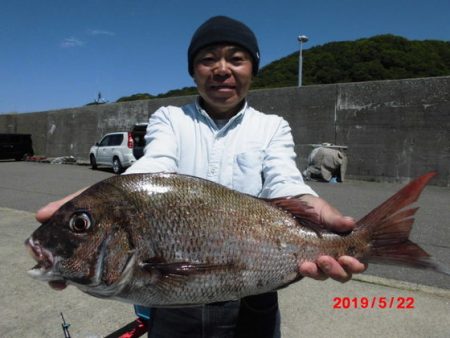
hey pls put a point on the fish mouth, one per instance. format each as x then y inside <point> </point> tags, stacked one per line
<point>44,269</point>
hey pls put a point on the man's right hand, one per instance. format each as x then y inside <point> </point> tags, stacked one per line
<point>44,213</point>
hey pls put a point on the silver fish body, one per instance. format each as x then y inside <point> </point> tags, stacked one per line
<point>175,240</point>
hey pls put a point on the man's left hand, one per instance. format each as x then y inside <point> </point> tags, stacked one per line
<point>324,267</point>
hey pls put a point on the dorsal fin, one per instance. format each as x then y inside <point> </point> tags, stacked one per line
<point>302,212</point>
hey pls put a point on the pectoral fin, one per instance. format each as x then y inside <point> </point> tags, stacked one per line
<point>157,265</point>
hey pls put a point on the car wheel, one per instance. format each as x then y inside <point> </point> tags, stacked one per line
<point>117,166</point>
<point>93,162</point>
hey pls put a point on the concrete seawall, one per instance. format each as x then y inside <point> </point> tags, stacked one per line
<point>394,130</point>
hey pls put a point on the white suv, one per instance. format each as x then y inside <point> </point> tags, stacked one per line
<point>115,150</point>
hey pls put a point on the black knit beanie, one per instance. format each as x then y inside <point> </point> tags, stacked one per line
<point>223,29</point>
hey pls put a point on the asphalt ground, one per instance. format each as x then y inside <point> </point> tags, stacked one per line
<point>410,303</point>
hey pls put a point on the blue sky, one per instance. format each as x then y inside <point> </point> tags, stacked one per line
<point>60,53</point>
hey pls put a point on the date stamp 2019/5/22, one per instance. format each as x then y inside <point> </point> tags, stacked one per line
<point>400,303</point>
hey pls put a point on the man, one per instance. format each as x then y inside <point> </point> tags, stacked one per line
<point>221,138</point>
<point>326,162</point>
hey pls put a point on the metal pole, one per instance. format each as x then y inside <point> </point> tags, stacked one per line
<point>301,39</point>
<point>300,65</point>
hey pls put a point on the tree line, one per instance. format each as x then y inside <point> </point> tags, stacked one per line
<point>382,57</point>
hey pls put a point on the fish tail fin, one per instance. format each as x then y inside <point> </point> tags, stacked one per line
<point>389,225</point>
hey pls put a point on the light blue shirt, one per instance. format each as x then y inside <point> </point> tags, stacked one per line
<point>252,153</point>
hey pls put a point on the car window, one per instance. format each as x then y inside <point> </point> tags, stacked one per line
<point>104,142</point>
<point>116,140</point>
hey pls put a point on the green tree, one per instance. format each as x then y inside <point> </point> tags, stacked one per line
<point>382,57</point>
<point>140,96</point>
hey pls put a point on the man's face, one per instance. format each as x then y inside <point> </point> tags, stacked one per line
<point>223,74</point>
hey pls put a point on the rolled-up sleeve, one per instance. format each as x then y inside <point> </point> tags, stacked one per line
<point>280,173</point>
<point>161,151</point>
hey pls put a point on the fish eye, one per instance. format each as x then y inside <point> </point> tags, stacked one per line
<point>80,222</point>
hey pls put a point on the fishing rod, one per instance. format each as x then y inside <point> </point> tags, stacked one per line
<point>65,327</point>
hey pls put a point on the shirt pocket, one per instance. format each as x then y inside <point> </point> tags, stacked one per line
<point>247,172</point>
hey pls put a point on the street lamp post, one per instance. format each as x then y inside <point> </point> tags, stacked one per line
<point>302,39</point>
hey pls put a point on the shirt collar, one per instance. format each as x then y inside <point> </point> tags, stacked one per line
<point>205,114</point>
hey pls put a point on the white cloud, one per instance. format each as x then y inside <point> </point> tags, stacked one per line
<point>100,32</point>
<point>71,42</point>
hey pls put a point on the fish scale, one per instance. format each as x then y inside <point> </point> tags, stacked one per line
<point>223,236</point>
<point>219,247</point>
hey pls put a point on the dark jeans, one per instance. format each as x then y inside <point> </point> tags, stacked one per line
<point>254,316</point>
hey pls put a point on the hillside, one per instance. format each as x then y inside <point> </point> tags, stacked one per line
<point>381,57</point>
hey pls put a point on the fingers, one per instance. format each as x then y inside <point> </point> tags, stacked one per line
<point>334,220</point>
<point>325,267</point>
<point>339,223</point>
<point>352,264</point>
<point>333,269</point>
<point>44,214</point>
<point>311,270</point>
<point>327,215</point>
